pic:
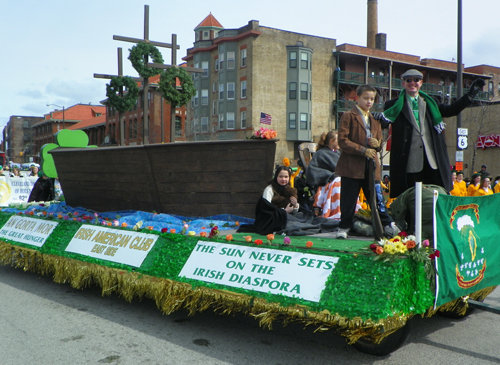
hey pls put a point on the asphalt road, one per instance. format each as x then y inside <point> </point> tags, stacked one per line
<point>42,322</point>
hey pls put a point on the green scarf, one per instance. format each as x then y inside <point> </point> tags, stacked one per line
<point>437,120</point>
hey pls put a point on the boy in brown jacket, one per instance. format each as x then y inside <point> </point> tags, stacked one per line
<point>360,137</point>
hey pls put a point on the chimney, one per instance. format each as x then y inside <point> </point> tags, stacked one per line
<point>372,27</point>
<point>381,41</point>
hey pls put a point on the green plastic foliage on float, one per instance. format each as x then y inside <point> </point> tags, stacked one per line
<point>67,138</point>
<point>48,165</point>
<point>64,138</point>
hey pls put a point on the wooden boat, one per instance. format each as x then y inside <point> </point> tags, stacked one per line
<point>194,179</point>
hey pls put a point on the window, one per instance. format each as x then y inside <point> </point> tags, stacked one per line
<point>243,57</point>
<point>204,124</point>
<point>214,107</point>
<point>304,60</point>
<point>230,91</point>
<point>230,120</point>
<point>214,87</point>
<point>204,66</point>
<point>206,35</point>
<point>293,59</point>
<point>178,127</point>
<point>244,89</point>
<point>490,87</point>
<point>136,128</point>
<point>221,91</point>
<point>131,129</point>
<point>196,98</point>
<point>195,125</point>
<point>243,117</point>
<point>303,91</point>
<point>204,97</point>
<point>292,90</point>
<point>303,120</point>
<point>221,61</point>
<point>221,121</point>
<point>231,60</point>
<point>26,123</point>
<point>292,120</point>
<point>216,64</point>
<point>195,74</point>
<point>381,72</point>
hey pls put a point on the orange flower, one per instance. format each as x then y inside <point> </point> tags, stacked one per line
<point>203,234</point>
<point>248,239</point>
<point>237,224</point>
<point>258,242</point>
<point>44,213</point>
<point>379,250</point>
<point>229,237</point>
<point>30,212</point>
<point>124,225</point>
<point>286,162</point>
<point>410,244</point>
<point>270,237</point>
<point>109,224</point>
<point>309,244</point>
<point>172,230</point>
<point>59,216</point>
<point>148,227</point>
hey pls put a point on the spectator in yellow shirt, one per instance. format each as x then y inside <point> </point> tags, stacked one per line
<point>474,184</point>
<point>484,188</point>
<point>459,187</point>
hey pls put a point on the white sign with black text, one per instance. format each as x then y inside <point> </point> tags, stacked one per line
<point>27,230</point>
<point>293,274</point>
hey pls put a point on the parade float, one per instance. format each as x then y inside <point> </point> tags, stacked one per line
<point>114,232</point>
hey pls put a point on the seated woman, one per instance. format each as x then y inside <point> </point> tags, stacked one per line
<point>280,193</point>
<point>320,175</point>
<point>484,187</point>
<point>277,211</point>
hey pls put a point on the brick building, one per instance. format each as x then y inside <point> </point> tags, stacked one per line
<point>95,129</point>
<point>159,119</point>
<point>44,130</point>
<point>18,139</point>
<point>253,70</point>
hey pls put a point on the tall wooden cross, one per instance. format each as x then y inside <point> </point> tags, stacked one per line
<point>120,73</point>
<point>172,107</point>
<point>144,80</point>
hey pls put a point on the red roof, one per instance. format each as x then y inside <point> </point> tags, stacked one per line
<point>209,21</point>
<point>88,123</point>
<point>76,112</point>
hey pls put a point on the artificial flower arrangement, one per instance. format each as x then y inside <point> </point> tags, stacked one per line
<point>264,133</point>
<point>404,245</point>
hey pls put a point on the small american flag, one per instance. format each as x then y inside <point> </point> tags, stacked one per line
<point>265,118</point>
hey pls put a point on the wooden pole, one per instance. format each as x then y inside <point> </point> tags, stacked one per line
<point>173,107</point>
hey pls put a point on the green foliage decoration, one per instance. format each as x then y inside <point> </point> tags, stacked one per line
<point>137,54</point>
<point>122,104</point>
<point>167,86</point>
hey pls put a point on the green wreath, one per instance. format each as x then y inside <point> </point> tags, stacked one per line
<point>137,54</point>
<point>122,104</point>
<point>168,88</point>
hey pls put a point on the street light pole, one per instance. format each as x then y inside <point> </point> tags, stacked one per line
<point>63,112</point>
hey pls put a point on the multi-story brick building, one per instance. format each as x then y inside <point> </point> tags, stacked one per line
<point>53,122</point>
<point>159,119</point>
<point>18,138</point>
<point>95,129</point>
<point>256,69</point>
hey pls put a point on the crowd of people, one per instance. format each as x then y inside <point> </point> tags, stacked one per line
<point>480,183</point>
<point>418,154</point>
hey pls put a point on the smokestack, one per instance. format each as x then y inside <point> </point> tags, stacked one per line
<point>372,28</point>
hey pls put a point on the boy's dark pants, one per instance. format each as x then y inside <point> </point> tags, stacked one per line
<point>349,191</point>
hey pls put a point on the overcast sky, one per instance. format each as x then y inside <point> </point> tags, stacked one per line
<point>52,48</point>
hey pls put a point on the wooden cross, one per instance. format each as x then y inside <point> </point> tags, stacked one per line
<point>120,73</point>
<point>144,80</point>
<point>172,64</point>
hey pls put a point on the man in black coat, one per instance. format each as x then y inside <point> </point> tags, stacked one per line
<point>418,149</point>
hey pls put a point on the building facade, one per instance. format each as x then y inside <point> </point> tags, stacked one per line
<point>253,70</point>
<point>18,139</point>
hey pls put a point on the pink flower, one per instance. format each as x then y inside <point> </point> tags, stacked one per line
<point>287,240</point>
<point>425,243</point>
<point>164,230</point>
